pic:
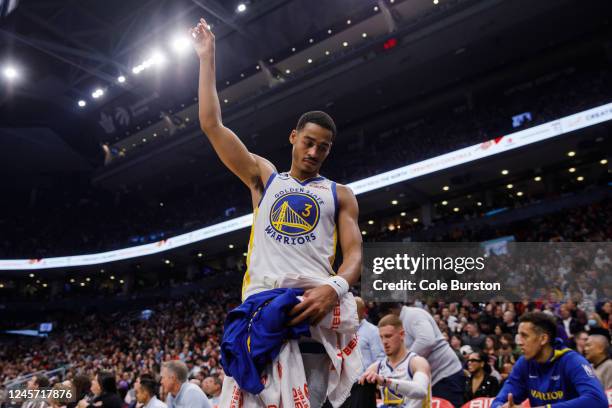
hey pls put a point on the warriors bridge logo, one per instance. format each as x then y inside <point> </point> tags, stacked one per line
<point>294,214</point>
<point>293,218</point>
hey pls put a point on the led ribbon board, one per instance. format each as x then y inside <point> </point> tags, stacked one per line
<point>492,147</point>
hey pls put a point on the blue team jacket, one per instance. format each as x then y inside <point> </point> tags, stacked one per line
<point>254,333</point>
<point>567,380</point>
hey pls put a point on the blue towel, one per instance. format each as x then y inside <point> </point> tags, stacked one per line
<point>254,333</point>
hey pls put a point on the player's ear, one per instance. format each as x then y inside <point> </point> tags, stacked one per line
<point>293,136</point>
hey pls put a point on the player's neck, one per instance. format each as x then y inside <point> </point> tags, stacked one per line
<point>545,354</point>
<point>399,356</point>
<point>300,175</point>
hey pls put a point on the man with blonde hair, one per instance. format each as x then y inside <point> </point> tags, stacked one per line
<point>403,377</point>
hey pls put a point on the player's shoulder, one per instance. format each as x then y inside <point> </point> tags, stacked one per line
<point>571,358</point>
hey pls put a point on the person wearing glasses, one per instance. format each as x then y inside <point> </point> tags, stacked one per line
<point>480,383</point>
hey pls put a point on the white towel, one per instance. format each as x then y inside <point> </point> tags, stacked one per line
<point>285,380</point>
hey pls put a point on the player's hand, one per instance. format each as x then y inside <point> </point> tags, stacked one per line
<point>510,403</point>
<point>203,40</point>
<point>316,304</point>
<point>371,377</point>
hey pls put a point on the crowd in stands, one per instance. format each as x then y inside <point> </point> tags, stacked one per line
<point>90,219</point>
<point>116,352</point>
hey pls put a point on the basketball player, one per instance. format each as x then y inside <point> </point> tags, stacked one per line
<point>549,374</point>
<point>404,377</point>
<point>298,216</point>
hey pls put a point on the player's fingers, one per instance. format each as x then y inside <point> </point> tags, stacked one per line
<point>301,317</point>
<point>316,319</point>
<point>297,309</point>
<point>510,400</point>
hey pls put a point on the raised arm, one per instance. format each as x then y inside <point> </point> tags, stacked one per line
<point>230,149</point>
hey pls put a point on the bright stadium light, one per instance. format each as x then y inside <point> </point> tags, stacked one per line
<point>97,93</point>
<point>82,103</point>
<point>158,58</point>
<point>180,44</point>
<point>121,79</point>
<point>10,73</point>
<point>241,8</point>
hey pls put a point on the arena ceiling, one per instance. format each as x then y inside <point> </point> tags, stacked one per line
<point>64,50</point>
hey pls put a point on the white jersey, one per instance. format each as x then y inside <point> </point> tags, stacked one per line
<point>294,230</point>
<point>401,372</point>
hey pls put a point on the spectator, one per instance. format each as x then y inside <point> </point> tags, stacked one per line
<point>104,389</point>
<point>81,385</point>
<point>597,352</point>
<point>146,394</point>
<point>181,393</point>
<point>473,337</point>
<point>580,339</point>
<point>36,383</point>
<point>480,383</point>
<point>570,324</point>
<point>212,388</point>
<point>509,325</point>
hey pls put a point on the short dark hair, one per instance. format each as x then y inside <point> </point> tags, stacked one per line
<point>542,323</point>
<point>318,118</point>
<point>42,380</point>
<point>107,382</point>
<point>150,385</point>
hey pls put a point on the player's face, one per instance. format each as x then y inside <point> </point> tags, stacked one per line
<point>530,341</point>
<point>311,145</point>
<point>392,339</point>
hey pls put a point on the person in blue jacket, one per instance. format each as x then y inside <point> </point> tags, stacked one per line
<point>548,374</point>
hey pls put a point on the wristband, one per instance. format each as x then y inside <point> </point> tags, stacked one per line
<point>339,284</point>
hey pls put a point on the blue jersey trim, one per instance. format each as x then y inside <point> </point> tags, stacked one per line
<point>266,187</point>
<point>335,194</point>
<point>305,182</point>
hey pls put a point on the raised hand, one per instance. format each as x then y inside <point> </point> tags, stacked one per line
<point>203,40</point>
